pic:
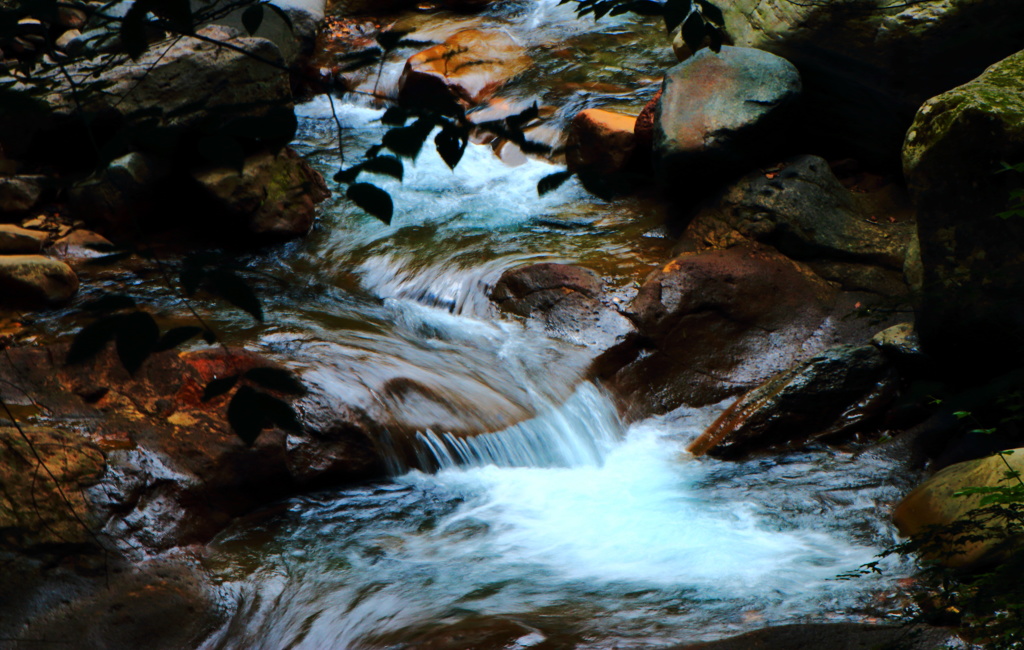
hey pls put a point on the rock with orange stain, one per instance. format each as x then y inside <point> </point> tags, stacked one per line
<point>718,112</point>
<point>715,324</point>
<point>463,71</point>
<point>829,395</point>
<point>936,503</point>
<point>600,142</point>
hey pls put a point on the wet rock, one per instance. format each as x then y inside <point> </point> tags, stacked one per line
<point>19,193</point>
<point>719,112</point>
<point>569,301</point>
<point>15,240</point>
<point>35,281</point>
<point>802,209</point>
<point>600,142</point>
<point>176,471</point>
<point>900,342</point>
<point>43,474</point>
<point>79,244</point>
<point>836,636</point>
<point>121,196</point>
<point>70,41</point>
<point>972,304</point>
<point>274,196</point>
<point>828,395</point>
<point>936,503</point>
<point>479,632</point>
<point>867,66</point>
<point>716,324</point>
<point>464,70</point>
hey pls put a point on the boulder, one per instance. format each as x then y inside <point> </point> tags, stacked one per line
<point>936,503</point>
<point>568,300</point>
<point>35,281</point>
<point>121,196</point>
<point>19,193</point>
<point>868,64</point>
<point>828,395</point>
<point>79,244</point>
<point>463,71</point>
<point>44,473</point>
<point>859,239</point>
<point>600,142</point>
<point>715,324</point>
<point>719,112</point>
<point>900,342</point>
<point>972,304</point>
<point>15,240</point>
<point>273,196</point>
<point>835,636</point>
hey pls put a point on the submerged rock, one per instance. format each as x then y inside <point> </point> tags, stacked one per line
<point>827,395</point>
<point>719,112</point>
<point>569,301</point>
<point>464,70</point>
<point>35,281</point>
<point>972,303</point>
<point>868,64</point>
<point>715,324</point>
<point>936,503</point>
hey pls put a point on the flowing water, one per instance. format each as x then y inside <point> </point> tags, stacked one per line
<point>563,527</point>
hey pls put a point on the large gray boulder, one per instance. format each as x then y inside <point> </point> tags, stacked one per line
<point>972,304</point>
<point>868,64</point>
<point>720,111</point>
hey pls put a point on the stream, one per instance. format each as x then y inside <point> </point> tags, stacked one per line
<point>568,528</point>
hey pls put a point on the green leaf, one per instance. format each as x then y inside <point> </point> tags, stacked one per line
<point>231,287</point>
<point>137,338</point>
<point>175,337</point>
<point>92,338</point>
<point>280,413</point>
<point>283,381</point>
<point>109,302</point>
<point>372,199</point>
<point>217,387</point>
<point>552,182</point>
<point>246,415</point>
<point>451,144</point>
<point>252,18</point>
<point>387,165</point>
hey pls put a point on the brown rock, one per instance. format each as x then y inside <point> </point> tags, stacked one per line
<point>835,636</point>
<point>15,240</point>
<point>19,193</point>
<point>274,195</point>
<point>35,281</point>
<point>600,141</point>
<point>464,70</point>
<point>81,243</point>
<point>716,324</point>
<point>644,129</point>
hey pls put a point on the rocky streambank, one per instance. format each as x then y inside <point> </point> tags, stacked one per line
<point>805,281</point>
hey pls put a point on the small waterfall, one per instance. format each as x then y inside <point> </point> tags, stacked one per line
<point>579,433</point>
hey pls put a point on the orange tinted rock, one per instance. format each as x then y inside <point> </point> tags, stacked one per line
<point>600,141</point>
<point>464,70</point>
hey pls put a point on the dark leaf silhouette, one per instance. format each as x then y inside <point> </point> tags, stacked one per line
<point>389,39</point>
<point>133,30</point>
<point>176,13</point>
<point>694,31</point>
<point>715,39</point>
<point>109,302</point>
<point>348,175</point>
<point>644,8</point>
<point>175,337</point>
<point>387,165</point>
<point>552,182</point>
<point>217,387</point>
<point>408,140</point>
<point>137,338</point>
<point>277,379</point>
<point>231,287</point>
<point>712,13</point>
<point>252,18</point>
<point>280,413</point>
<point>372,199</point>
<point>191,277</point>
<point>451,144</point>
<point>209,336</point>
<point>283,15</point>
<point>92,338</point>
<point>675,13</point>
<point>395,116</point>
<point>246,415</point>
<point>522,118</point>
